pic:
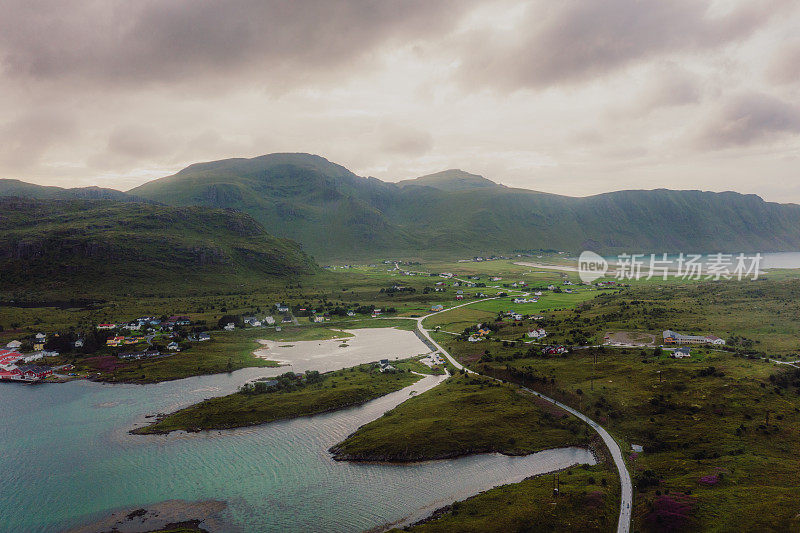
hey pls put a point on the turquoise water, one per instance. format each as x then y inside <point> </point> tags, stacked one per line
<point>68,459</point>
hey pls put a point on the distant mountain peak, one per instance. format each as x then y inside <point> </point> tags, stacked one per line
<point>453,179</point>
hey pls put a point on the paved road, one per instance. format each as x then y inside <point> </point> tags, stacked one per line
<point>624,524</point>
<point>626,500</point>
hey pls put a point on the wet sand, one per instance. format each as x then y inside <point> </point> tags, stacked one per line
<point>365,346</point>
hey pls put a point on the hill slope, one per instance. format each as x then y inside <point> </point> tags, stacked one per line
<point>338,215</point>
<point>91,246</point>
<point>17,188</point>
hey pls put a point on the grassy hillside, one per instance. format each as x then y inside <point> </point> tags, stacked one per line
<point>96,246</point>
<point>338,215</point>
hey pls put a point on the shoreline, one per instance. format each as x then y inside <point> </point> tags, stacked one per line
<point>377,459</point>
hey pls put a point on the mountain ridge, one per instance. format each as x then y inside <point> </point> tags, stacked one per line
<point>338,215</point>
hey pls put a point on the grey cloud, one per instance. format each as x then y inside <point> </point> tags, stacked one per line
<point>136,142</point>
<point>748,119</point>
<point>24,140</point>
<point>785,66</point>
<point>405,141</point>
<point>574,40</point>
<point>125,42</point>
<point>671,86</point>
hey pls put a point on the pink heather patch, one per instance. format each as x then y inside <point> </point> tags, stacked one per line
<point>107,363</point>
<point>711,480</point>
<point>671,512</point>
<point>593,500</point>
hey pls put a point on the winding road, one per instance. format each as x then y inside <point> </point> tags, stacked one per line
<point>626,493</point>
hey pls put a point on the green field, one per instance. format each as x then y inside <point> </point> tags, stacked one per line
<point>463,415</point>
<point>548,301</point>
<point>758,316</point>
<point>337,390</point>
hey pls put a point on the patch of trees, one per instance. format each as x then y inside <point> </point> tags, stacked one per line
<point>227,319</point>
<point>787,378</point>
<point>396,289</point>
<point>710,371</point>
<point>286,382</point>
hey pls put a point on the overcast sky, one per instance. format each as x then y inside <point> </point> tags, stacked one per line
<point>572,97</point>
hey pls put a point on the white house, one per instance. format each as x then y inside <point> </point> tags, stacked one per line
<point>230,326</point>
<point>78,343</point>
<point>252,321</point>
<point>173,346</point>
<point>41,337</point>
<point>282,308</point>
<point>537,333</point>
<point>269,321</point>
<point>682,352</point>
<point>13,345</point>
<point>537,293</point>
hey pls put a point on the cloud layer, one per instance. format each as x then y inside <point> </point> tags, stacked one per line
<point>575,97</point>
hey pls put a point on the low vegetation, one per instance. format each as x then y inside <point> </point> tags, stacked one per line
<point>588,500</point>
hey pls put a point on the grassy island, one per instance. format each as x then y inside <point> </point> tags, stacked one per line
<point>286,396</point>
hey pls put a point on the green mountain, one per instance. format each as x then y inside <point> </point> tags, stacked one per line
<point>10,187</point>
<point>338,215</point>
<point>94,246</point>
<point>300,196</point>
<point>450,180</point>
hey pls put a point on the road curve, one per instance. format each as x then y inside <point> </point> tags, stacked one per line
<point>624,524</point>
<point>626,492</point>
